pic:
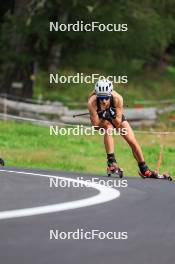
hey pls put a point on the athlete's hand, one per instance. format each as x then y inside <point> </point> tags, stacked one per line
<point>108,114</point>
<point>112,112</point>
<point>105,114</point>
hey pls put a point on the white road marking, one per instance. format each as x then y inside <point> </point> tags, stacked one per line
<point>105,194</point>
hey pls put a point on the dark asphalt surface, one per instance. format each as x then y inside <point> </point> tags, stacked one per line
<point>145,210</point>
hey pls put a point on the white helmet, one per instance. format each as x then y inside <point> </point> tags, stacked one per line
<point>103,87</point>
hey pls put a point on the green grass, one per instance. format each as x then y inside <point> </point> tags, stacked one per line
<point>142,85</point>
<point>28,145</point>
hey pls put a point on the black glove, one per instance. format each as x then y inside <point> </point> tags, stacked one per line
<point>108,114</point>
<point>105,114</point>
<point>112,112</point>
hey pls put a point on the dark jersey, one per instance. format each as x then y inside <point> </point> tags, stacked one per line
<point>111,105</point>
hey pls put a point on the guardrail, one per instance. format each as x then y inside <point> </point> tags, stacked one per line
<point>18,107</point>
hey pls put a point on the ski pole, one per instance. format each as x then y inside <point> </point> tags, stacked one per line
<point>81,114</point>
<point>160,158</point>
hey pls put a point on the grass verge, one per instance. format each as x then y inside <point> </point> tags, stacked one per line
<point>28,145</point>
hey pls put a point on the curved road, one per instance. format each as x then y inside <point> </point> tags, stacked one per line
<point>29,209</point>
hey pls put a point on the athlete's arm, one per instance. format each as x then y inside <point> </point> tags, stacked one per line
<point>93,113</point>
<point>118,103</point>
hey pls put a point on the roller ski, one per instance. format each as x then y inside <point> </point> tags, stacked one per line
<point>155,175</point>
<point>113,169</point>
<point>2,163</point>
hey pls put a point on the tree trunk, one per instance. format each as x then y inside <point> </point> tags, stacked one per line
<point>56,48</point>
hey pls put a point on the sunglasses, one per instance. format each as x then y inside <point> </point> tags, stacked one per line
<point>101,98</point>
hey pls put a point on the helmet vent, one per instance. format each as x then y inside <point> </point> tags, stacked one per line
<point>103,87</point>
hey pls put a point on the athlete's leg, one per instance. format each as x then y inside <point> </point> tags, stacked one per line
<point>137,151</point>
<point>112,166</point>
<point>109,145</point>
<point>131,140</point>
<point>108,139</point>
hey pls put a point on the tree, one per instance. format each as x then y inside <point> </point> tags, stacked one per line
<point>17,67</point>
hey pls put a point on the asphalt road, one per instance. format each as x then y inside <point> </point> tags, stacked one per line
<point>30,209</point>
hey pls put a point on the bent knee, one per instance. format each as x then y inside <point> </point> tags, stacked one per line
<point>106,124</point>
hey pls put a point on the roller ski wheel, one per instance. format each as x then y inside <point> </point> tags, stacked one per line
<point>2,163</point>
<point>155,175</point>
<point>114,170</point>
<point>164,176</point>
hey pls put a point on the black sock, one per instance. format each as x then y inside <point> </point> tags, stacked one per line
<point>111,158</point>
<point>142,166</point>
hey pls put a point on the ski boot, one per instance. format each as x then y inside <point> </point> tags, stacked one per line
<point>155,175</point>
<point>2,163</point>
<point>112,169</point>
